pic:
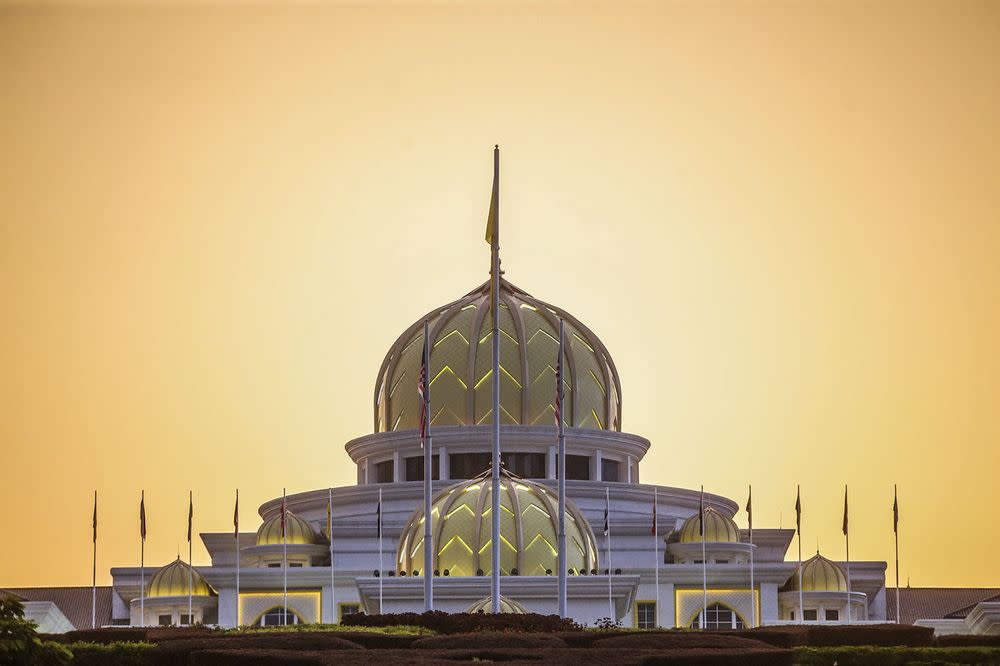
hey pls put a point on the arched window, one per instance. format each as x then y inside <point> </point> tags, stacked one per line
<point>277,617</point>
<point>718,617</point>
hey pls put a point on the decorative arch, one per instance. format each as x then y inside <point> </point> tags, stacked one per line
<point>277,612</point>
<point>721,616</point>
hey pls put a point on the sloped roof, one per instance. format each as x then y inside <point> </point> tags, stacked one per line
<point>932,603</point>
<point>74,602</point>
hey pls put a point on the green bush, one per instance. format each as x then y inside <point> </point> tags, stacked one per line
<point>111,654</point>
<point>19,641</point>
<point>893,656</point>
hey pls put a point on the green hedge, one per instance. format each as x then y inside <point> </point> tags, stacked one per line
<point>891,656</point>
<point>111,654</point>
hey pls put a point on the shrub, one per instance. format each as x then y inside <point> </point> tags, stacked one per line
<point>111,654</point>
<point>490,639</point>
<point>255,658</point>
<point>671,640</point>
<point>19,641</point>
<point>837,635</point>
<point>708,657</point>
<point>894,656</point>
<point>461,623</point>
<point>967,640</point>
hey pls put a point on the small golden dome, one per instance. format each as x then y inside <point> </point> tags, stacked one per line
<point>718,528</point>
<point>507,605</point>
<point>296,531</point>
<point>818,575</point>
<point>529,523</point>
<point>175,579</point>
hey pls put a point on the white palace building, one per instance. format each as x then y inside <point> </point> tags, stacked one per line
<point>663,581</point>
<point>600,457</point>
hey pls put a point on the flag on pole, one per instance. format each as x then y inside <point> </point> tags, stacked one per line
<point>142,515</point>
<point>284,510</point>
<point>95,516</point>
<point>378,515</point>
<point>491,218</point>
<point>701,513</point>
<point>329,516</point>
<point>190,514</point>
<point>559,388</point>
<point>895,511</point>
<point>236,516</point>
<point>749,508</point>
<point>607,508</point>
<point>844,527</point>
<point>422,393</point>
<point>798,511</point>
<point>652,528</point>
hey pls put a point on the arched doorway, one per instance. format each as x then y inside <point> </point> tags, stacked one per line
<point>718,616</point>
<point>277,617</point>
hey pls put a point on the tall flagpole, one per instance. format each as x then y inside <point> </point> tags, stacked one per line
<point>607,531</point>
<point>798,531</point>
<point>493,235</point>
<point>425,441</point>
<point>93,589</point>
<point>284,557</point>
<point>847,541</point>
<point>190,560</point>
<point>560,394</point>
<point>753,591</point>
<point>236,543</point>
<point>142,559</point>
<point>329,531</point>
<point>656,560</point>
<point>381,573</point>
<point>704,561</point>
<point>895,531</point>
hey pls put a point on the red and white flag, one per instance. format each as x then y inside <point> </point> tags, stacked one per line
<point>422,392</point>
<point>283,511</point>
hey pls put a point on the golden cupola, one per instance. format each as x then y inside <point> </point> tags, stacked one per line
<point>175,579</point>
<point>297,531</point>
<point>818,575</point>
<point>719,528</point>
<point>529,524</point>
<point>461,367</point>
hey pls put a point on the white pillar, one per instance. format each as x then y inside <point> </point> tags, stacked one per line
<point>628,469</point>
<point>227,607</point>
<point>364,471</point>
<point>666,612</point>
<point>769,602</point>
<point>444,470</point>
<point>550,463</point>
<point>397,467</point>
<point>595,461</point>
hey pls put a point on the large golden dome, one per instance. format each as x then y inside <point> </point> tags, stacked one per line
<point>528,527</point>
<point>175,579</point>
<point>818,575</point>
<point>296,531</point>
<point>461,367</point>
<point>719,528</point>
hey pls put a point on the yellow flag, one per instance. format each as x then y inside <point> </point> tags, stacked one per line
<point>491,221</point>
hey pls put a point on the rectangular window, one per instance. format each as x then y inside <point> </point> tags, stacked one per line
<point>832,615</point>
<point>809,615</point>
<point>273,565</point>
<point>525,465</point>
<point>415,468</point>
<point>610,470</point>
<point>165,620</point>
<point>699,561</point>
<point>577,468</point>
<point>721,561</point>
<point>383,472</point>
<point>349,609</point>
<point>646,615</point>
<point>185,619</point>
<point>468,465</point>
<point>295,564</point>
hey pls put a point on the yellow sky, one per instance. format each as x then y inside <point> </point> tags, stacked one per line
<point>783,219</point>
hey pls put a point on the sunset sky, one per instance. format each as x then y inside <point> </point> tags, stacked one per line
<point>782,218</point>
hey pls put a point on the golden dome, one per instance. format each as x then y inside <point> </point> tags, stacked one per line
<point>507,605</point>
<point>818,575</point>
<point>175,579</point>
<point>461,366</point>
<point>718,528</point>
<point>528,527</point>
<point>296,531</point>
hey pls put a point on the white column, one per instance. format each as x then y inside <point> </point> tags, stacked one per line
<point>550,463</point>
<point>444,470</point>
<point>769,602</point>
<point>595,461</point>
<point>227,607</point>
<point>628,469</point>
<point>397,468</point>
<point>666,612</point>
<point>364,471</point>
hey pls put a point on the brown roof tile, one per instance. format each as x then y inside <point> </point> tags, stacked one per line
<point>928,603</point>
<point>74,602</point>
